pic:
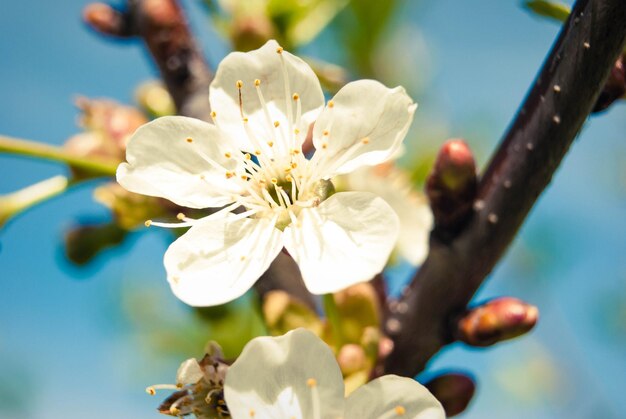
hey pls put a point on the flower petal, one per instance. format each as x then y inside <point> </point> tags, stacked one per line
<point>217,261</point>
<point>347,239</point>
<point>416,218</point>
<point>295,373</point>
<point>365,126</point>
<point>392,396</point>
<point>163,162</point>
<point>269,67</point>
<point>189,372</point>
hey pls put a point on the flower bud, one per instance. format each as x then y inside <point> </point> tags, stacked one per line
<point>497,320</point>
<point>351,358</point>
<point>283,312</point>
<point>358,308</point>
<point>154,98</point>
<point>451,186</point>
<point>106,20</point>
<point>85,242</point>
<point>615,87</point>
<point>453,390</point>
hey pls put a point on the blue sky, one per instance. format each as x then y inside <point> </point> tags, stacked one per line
<point>67,351</point>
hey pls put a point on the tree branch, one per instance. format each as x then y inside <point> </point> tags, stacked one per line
<point>163,27</point>
<point>549,119</point>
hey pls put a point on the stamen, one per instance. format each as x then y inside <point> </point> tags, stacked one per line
<point>189,140</point>
<point>276,124</point>
<point>228,155</point>
<point>400,410</point>
<point>288,106</point>
<point>148,223</point>
<point>279,50</point>
<point>252,413</point>
<point>180,216</point>
<point>315,398</point>
<point>331,104</point>
<point>239,85</point>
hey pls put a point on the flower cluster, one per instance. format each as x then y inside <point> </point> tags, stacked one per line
<point>296,376</point>
<point>250,163</point>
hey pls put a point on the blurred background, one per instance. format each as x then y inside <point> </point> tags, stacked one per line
<point>85,341</point>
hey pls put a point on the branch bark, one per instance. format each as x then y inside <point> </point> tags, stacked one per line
<point>552,114</point>
<point>164,29</point>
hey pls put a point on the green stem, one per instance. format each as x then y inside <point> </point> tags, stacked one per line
<point>92,165</point>
<point>14,203</point>
<point>334,319</point>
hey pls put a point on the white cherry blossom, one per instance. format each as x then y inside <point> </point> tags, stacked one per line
<point>250,163</point>
<point>296,376</point>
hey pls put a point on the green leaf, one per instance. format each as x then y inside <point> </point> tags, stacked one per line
<point>549,9</point>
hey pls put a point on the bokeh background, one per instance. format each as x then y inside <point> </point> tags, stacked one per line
<point>85,342</point>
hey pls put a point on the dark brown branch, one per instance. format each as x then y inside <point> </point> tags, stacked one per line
<point>163,27</point>
<point>550,117</point>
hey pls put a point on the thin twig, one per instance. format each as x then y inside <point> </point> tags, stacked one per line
<point>90,165</point>
<point>548,121</point>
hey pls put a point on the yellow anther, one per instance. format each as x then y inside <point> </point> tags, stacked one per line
<point>288,178</point>
<point>189,140</point>
<point>257,82</point>
<point>245,120</point>
<point>274,180</point>
<point>279,50</point>
<point>325,133</point>
<point>294,165</point>
<point>239,84</point>
<point>294,151</point>
<point>148,223</point>
<point>257,152</point>
<point>247,156</point>
<point>180,216</point>
<point>245,177</point>
<point>324,146</point>
<point>229,175</point>
<point>213,114</point>
<point>252,413</point>
<point>270,143</point>
<point>365,140</point>
<point>331,104</point>
<point>174,411</point>
<point>287,169</point>
<point>295,96</point>
<point>242,258</point>
<point>202,177</point>
<point>262,182</point>
<point>151,391</point>
<point>400,410</point>
<point>276,124</point>
<point>311,382</point>
<point>228,155</point>
<point>175,279</point>
<point>296,131</point>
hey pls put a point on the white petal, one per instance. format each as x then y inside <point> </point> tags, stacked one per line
<point>416,218</point>
<point>266,65</point>
<point>388,396</point>
<point>365,126</point>
<point>218,260</point>
<point>347,239</point>
<point>189,372</point>
<point>162,162</point>
<point>273,374</point>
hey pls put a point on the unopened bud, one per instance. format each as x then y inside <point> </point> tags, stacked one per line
<point>614,88</point>
<point>453,390</point>
<point>106,20</point>
<point>351,358</point>
<point>451,186</point>
<point>497,320</point>
<point>283,312</point>
<point>251,32</point>
<point>83,243</point>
